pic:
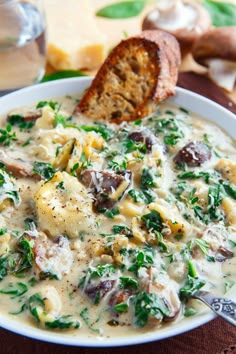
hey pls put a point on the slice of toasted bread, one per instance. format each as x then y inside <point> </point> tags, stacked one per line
<point>139,73</point>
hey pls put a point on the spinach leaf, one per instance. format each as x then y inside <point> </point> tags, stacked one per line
<point>17,289</point>
<point>143,259</point>
<point>84,314</point>
<point>229,189</point>
<point>146,305</point>
<point>25,249</point>
<point>18,120</point>
<point>153,221</point>
<point>121,229</point>
<point>222,13</point>
<point>34,302</point>
<point>121,307</point>
<point>195,175</point>
<point>147,180</point>
<point>123,9</point>
<point>191,285</point>
<point>43,169</point>
<point>189,311</point>
<point>128,282</point>
<point>214,200</point>
<point>62,323</point>
<point>100,128</point>
<point>63,74</point>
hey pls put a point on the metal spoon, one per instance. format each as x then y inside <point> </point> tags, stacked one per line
<point>223,307</point>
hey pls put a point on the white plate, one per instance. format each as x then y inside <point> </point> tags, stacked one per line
<point>183,98</point>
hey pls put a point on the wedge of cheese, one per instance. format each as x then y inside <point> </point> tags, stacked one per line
<point>74,40</point>
<point>77,39</point>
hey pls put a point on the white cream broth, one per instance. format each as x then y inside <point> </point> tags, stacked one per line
<point>106,229</point>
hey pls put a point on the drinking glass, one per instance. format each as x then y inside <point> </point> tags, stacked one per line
<point>22,43</point>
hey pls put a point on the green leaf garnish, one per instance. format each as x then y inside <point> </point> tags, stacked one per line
<point>63,74</point>
<point>222,14</point>
<point>123,9</point>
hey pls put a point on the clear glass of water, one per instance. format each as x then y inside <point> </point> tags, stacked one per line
<point>22,43</point>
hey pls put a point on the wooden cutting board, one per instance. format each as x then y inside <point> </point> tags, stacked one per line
<point>205,87</point>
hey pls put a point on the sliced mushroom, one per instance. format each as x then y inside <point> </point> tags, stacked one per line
<point>16,166</point>
<point>216,49</point>
<point>187,21</point>
<point>193,154</point>
<point>143,136</point>
<point>106,187</point>
<point>223,254</point>
<point>97,291</point>
<point>29,116</point>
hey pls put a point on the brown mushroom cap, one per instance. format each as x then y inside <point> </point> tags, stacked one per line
<point>185,35</point>
<point>217,43</point>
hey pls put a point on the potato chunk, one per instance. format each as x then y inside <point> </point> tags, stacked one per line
<point>64,207</point>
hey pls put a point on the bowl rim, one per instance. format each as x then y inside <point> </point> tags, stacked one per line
<point>59,338</point>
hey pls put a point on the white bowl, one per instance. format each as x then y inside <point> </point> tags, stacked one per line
<point>186,99</point>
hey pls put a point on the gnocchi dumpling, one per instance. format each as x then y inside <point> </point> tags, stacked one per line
<point>64,207</point>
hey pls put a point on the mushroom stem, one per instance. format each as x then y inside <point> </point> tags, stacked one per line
<point>223,73</point>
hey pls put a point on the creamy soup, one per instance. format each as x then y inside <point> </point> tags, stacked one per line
<point>107,230</point>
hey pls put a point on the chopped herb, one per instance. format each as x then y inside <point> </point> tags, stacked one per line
<point>232,243</point>
<point>74,169</point>
<point>228,284</point>
<point>60,185</point>
<point>142,260</point>
<point>202,244</point>
<point>179,237</point>
<point>27,142</point>
<point>131,146</point>
<point>3,231</point>
<point>53,104</point>
<point>6,136</point>
<point>199,213</point>
<point>183,110</point>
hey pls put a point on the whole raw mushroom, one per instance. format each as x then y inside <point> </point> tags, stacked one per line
<point>216,50</point>
<point>187,21</point>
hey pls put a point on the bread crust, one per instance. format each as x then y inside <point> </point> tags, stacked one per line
<point>139,72</point>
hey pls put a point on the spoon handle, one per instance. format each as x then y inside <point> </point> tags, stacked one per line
<point>223,307</point>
